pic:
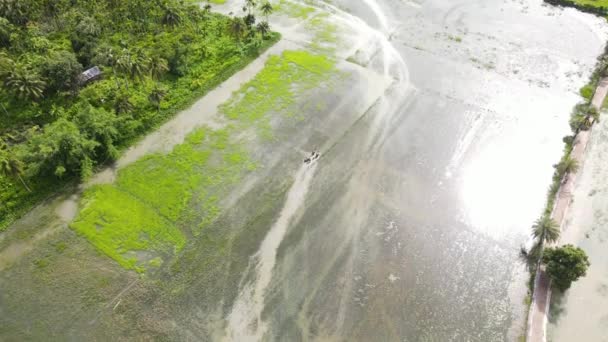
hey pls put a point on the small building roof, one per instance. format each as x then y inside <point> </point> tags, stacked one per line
<point>90,74</point>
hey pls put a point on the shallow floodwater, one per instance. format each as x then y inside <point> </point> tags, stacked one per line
<point>412,225</point>
<point>436,146</point>
<point>581,314</point>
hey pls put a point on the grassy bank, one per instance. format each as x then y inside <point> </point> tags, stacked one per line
<point>52,141</point>
<point>599,7</point>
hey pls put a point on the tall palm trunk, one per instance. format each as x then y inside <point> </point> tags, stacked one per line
<point>24,184</point>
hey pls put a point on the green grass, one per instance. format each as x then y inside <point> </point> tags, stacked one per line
<point>592,3</point>
<point>293,10</point>
<point>116,223</point>
<point>161,199</point>
<point>273,89</point>
<point>599,7</point>
<point>144,209</point>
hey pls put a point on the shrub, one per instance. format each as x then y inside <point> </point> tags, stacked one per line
<point>565,265</point>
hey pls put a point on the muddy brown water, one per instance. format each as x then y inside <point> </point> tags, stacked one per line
<point>406,229</point>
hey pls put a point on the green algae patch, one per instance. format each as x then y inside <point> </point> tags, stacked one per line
<point>293,10</point>
<point>274,89</point>
<point>117,223</point>
<point>157,201</point>
<point>325,33</point>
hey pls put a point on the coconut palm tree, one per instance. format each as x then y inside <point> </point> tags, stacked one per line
<point>249,6</point>
<point>592,114</point>
<point>263,28</point>
<point>266,9</point>
<point>249,20</point>
<point>156,96</point>
<point>158,67</point>
<point>24,83</point>
<point>134,65</point>
<point>172,16</point>
<point>10,166</point>
<point>567,165</point>
<point>546,230</point>
<point>122,104</point>
<point>139,65</point>
<point>237,28</point>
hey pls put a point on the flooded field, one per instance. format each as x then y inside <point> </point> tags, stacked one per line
<point>437,124</point>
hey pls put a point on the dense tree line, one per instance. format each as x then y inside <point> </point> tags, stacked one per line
<point>155,55</point>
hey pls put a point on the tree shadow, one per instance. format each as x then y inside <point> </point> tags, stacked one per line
<point>558,305</point>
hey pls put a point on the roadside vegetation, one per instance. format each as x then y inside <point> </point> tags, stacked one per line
<point>599,7</point>
<point>545,230</point>
<point>565,264</point>
<point>155,57</point>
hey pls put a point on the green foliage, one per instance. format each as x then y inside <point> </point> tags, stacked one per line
<point>159,193</point>
<point>567,165</point>
<point>62,71</point>
<point>294,10</point>
<point>24,83</point>
<point>587,91</point>
<point>273,89</point>
<point>6,28</point>
<point>152,67</point>
<point>60,150</point>
<point>118,223</point>
<point>583,117</point>
<point>10,165</point>
<point>546,230</point>
<point>565,265</point>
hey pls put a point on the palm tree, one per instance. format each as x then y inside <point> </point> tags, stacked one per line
<point>10,166</point>
<point>122,104</point>
<point>592,115</point>
<point>249,6</point>
<point>139,65</point>
<point>249,20</point>
<point>158,67</point>
<point>123,64</point>
<point>172,16</point>
<point>266,9</point>
<point>156,97</point>
<point>263,28</point>
<point>207,8</point>
<point>107,56</point>
<point>24,83</point>
<point>567,165</point>
<point>133,65</point>
<point>546,230</point>
<point>237,28</point>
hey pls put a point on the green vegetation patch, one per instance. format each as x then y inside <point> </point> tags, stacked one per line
<point>117,223</point>
<point>325,33</point>
<point>155,59</point>
<point>587,91</point>
<point>156,202</point>
<point>161,198</point>
<point>294,10</point>
<point>593,6</point>
<point>273,89</point>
